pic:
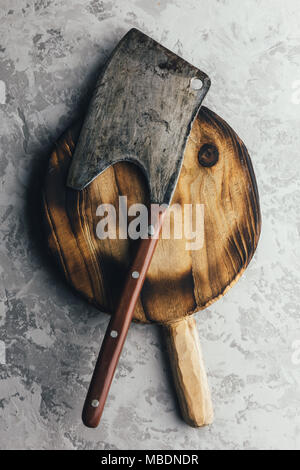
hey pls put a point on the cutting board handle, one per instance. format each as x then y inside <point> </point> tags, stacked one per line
<point>189,373</point>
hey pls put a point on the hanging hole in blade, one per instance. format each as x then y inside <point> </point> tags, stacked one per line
<point>196,83</point>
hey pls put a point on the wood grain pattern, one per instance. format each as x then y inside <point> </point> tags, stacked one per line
<point>179,282</point>
<point>97,268</point>
<point>189,372</point>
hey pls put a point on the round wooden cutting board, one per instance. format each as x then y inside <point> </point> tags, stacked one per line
<point>217,173</point>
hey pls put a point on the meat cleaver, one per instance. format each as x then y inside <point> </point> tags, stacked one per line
<point>142,111</point>
<point>181,280</point>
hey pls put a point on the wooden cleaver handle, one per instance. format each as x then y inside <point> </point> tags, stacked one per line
<point>189,372</point>
<point>117,330</point>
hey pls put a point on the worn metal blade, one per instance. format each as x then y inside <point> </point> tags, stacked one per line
<point>145,102</point>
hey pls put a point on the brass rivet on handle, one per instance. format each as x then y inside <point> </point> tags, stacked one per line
<point>151,230</point>
<point>95,403</point>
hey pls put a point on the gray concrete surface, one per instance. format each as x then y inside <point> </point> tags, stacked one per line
<point>50,51</point>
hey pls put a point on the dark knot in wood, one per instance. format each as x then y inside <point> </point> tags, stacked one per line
<point>208,155</point>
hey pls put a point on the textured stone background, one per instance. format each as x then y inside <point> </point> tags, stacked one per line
<point>50,51</point>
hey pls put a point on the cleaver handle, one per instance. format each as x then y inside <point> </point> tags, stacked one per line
<point>118,328</point>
